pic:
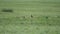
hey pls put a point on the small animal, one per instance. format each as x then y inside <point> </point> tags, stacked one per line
<point>31,16</point>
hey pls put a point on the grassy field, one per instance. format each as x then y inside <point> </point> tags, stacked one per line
<point>45,20</point>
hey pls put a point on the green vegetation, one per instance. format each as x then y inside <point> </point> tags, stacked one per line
<point>45,17</point>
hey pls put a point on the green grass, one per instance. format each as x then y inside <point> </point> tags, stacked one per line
<point>15,23</point>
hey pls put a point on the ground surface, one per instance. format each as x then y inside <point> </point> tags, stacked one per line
<point>45,20</point>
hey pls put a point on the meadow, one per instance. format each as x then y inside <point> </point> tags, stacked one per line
<point>45,17</point>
